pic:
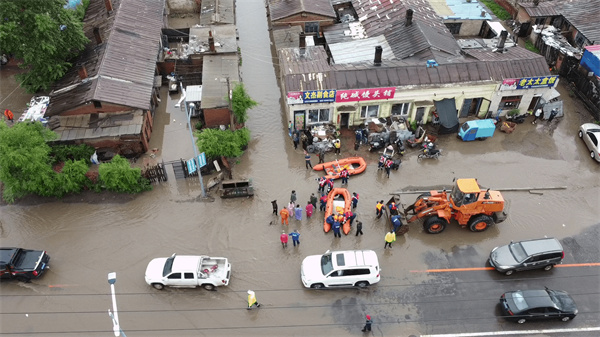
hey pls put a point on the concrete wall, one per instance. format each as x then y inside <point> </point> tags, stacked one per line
<point>527,96</point>
<point>183,6</point>
<point>468,27</point>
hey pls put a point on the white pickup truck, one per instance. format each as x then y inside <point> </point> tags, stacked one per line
<point>186,271</point>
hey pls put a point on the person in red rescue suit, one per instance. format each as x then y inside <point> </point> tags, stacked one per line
<point>344,175</point>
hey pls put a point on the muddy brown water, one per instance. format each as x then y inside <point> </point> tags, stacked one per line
<point>89,236</point>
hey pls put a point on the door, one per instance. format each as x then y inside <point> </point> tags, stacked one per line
<point>299,119</point>
<point>338,279</point>
<point>484,107</point>
<point>464,111</point>
<point>175,280</point>
<point>534,102</point>
<point>344,120</point>
<point>470,135</point>
<point>531,263</point>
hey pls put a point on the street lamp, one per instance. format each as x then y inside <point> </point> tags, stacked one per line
<point>188,111</point>
<point>112,278</point>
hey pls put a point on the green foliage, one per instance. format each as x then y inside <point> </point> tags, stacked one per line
<point>118,176</point>
<point>25,160</point>
<point>216,143</point>
<point>241,102</point>
<point>72,178</point>
<point>531,47</point>
<point>62,153</point>
<point>80,10</point>
<point>31,31</point>
<point>498,10</point>
<point>513,112</point>
<point>198,125</point>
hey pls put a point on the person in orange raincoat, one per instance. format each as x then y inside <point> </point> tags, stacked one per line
<point>9,115</point>
<point>285,214</point>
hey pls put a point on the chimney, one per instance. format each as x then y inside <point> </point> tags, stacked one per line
<point>82,72</point>
<point>378,52</point>
<point>211,42</point>
<point>483,14</point>
<point>97,35</point>
<point>302,44</point>
<point>536,2</point>
<point>503,36</point>
<point>409,14</point>
<point>108,4</point>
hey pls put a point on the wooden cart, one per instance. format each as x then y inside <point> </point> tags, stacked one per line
<point>508,127</point>
<point>236,188</point>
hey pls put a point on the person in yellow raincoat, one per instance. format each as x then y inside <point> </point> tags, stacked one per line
<point>389,238</point>
<point>252,300</point>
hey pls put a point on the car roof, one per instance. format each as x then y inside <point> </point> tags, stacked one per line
<point>537,246</point>
<point>354,258</point>
<point>538,299</point>
<point>185,263</point>
<point>591,127</point>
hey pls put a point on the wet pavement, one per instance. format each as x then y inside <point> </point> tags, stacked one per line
<point>88,236</point>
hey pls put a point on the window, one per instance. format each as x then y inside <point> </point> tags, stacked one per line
<point>369,111</point>
<point>311,28</point>
<point>175,276</point>
<point>579,39</point>
<point>326,265</point>
<point>97,104</point>
<point>362,271</point>
<point>400,109</point>
<point>540,21</point>
<point>189,276</point>
<point>318,115</point>
<point>454,27</point>
<point>510,102</point>
<point>339,258</point>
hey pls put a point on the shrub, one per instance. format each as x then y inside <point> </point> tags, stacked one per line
<point>63,153</point>
<point>118,176</point>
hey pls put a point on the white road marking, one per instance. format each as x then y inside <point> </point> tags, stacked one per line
<point>506,333</point>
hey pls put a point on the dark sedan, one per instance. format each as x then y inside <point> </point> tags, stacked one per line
<point>523,305</point>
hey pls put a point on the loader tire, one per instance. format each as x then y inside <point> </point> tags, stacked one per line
<point>435,225</point>
<point>479,223</point>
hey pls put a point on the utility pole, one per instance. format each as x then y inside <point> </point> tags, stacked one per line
<point>112,278</point>
<point>188,111</point>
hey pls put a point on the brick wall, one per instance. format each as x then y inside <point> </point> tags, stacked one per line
<point>507,5</point>
<point>89,109</point>
<point>216,117</point>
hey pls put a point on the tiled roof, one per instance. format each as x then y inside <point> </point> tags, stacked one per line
<point>93,126</point>
<point>280,9</point>
<point>121,69</point>
<point>584,15</point>
<point>543,9</point>
<point>216,71</point>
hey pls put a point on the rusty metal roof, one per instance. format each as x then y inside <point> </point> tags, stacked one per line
<point>217,12</point>
<point>584,16</point>
<point>313,72</point>
<point>121,69</point>
<point>216,70</point>
<point>280,9</point>
<point>93,126</point>
<point>543,9</point>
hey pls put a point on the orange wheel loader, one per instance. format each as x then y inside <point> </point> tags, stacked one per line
<point>467,203</point>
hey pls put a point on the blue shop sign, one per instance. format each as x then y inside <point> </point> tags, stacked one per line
<point>318,96</point>
<point>537,82</point>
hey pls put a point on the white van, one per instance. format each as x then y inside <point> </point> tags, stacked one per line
<point>349,268</point>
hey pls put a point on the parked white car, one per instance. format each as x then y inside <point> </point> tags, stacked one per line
<point>590,133</point>
<point>186,271</point>
<point>350,268</point>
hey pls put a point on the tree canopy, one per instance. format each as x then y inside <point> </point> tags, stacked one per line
<point>216,143</point>
<point>44,35</point>
<point>241,102</point>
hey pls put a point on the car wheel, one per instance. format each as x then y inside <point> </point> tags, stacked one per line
<point>435,225</point>
<point>158,286</point>
<point>479,223</point>
<point>565,319</point>
<point>362,284</point>
<point>208,286</point>
<point>548,267</point>
<point>317,286</point>
<point>521,320</point>
<point>592,154</point>
<point>580,134</point>
<point>509,272</point>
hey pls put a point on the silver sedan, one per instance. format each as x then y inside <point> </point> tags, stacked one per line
<point>590,133</point>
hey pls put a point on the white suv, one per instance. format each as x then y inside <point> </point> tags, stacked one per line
<point>347,268</point>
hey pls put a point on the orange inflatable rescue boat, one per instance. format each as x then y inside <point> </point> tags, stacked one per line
<point>337,205</point>
<point>355,165</point>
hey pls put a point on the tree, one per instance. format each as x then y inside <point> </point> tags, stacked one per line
<point>216,143</point>
<point>24,160</point>
<point>241,102</point>
<point>118,176</point>
<point>44,35</point>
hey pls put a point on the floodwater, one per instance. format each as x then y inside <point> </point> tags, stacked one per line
<point>88,236</point>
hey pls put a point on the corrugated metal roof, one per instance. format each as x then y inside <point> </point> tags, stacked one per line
<point>224,36</point>
<point>543,9</point>
<point>216,69</point>
<point>217,12</point>
<point>193,93</point>
<point>91,126</point>
<point>584,15</point>
<point>280,9</point>
<point>121,69</point>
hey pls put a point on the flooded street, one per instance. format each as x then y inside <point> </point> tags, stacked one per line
<point>88,236</point>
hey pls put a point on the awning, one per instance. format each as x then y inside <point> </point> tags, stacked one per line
<point>446,109</point>
<point>550,95</point>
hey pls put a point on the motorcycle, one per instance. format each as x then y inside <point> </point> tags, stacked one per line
<point>519,119</point>
<point>400,146</point>
<point>429,153</point>
<point>376,144</point>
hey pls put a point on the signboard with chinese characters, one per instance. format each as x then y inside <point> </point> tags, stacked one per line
<point>318,96</point>
<point>529,82</point>
<point>364,94</point>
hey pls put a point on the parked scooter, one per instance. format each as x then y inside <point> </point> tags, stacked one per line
<point>519,119</point>
<point>377,143</point>
<point>429,152</point>
<point>399,146</point>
